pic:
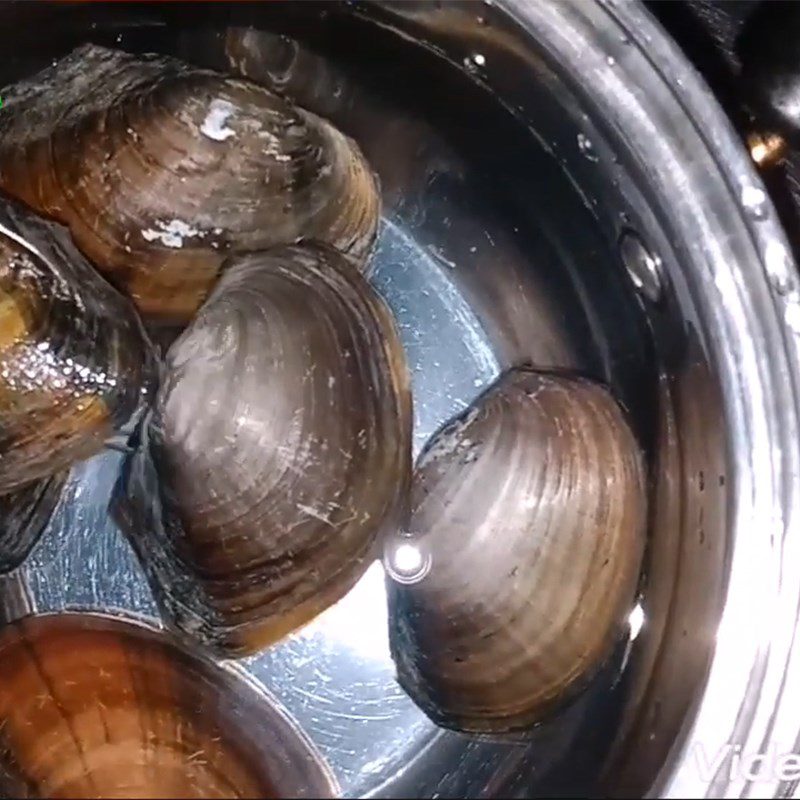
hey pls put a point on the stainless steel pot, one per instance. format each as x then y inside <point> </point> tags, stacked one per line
<point>561,188</point>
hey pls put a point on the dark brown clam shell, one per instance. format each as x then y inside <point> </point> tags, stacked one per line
<point>520,564</point>
<point>24,515</point>
<point>278,450</point>
<point>75,365</point>
<point>97,707</point>
<point>160,169</point>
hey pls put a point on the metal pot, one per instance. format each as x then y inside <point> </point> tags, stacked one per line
<point>561,188</point>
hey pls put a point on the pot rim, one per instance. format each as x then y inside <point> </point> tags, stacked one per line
<point>743,280</point>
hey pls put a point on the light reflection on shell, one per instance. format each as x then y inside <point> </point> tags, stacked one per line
<point>75,364</point>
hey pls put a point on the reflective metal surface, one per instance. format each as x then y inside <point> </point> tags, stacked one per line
<point>518,142</point>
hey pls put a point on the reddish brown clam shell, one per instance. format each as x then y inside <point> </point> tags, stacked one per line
<point>160,169</point>
<point>97,707</point>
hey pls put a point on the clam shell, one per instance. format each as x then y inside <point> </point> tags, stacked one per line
<point>75,365</point>
<point>24,515</point>
<point>161,169</point>
<point>278,450</point>
<point>92,706</point>
<point>522,553</point>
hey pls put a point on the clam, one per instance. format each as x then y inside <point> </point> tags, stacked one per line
<point>520,560</point>
<point>161,169</point>
<point>92,706</point>
<point>24,515</point>
<point>74,361</point>
<point>277,451</point>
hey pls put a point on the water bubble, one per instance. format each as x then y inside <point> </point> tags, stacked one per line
<point>754,201</point>
<point>586,147</point>
<point>643,266</point>
<point>780,269</point>
<point>783,285</point>
<point>406,560</point>
<point>636,621</point>
<point>610,60</point>
<point>474,62</point>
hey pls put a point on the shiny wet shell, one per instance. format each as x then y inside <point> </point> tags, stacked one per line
<point>527,515</point>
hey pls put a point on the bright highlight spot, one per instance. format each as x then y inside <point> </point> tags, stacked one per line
<point>408,559</point>
<point>636,621</point>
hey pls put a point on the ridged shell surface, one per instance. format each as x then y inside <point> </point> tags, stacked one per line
<point>161,169</point>
<point>97,707</point>
<point>522,552</point>
<point>278,451</point>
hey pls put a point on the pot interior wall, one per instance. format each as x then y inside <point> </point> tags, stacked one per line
<point>506,204</point>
